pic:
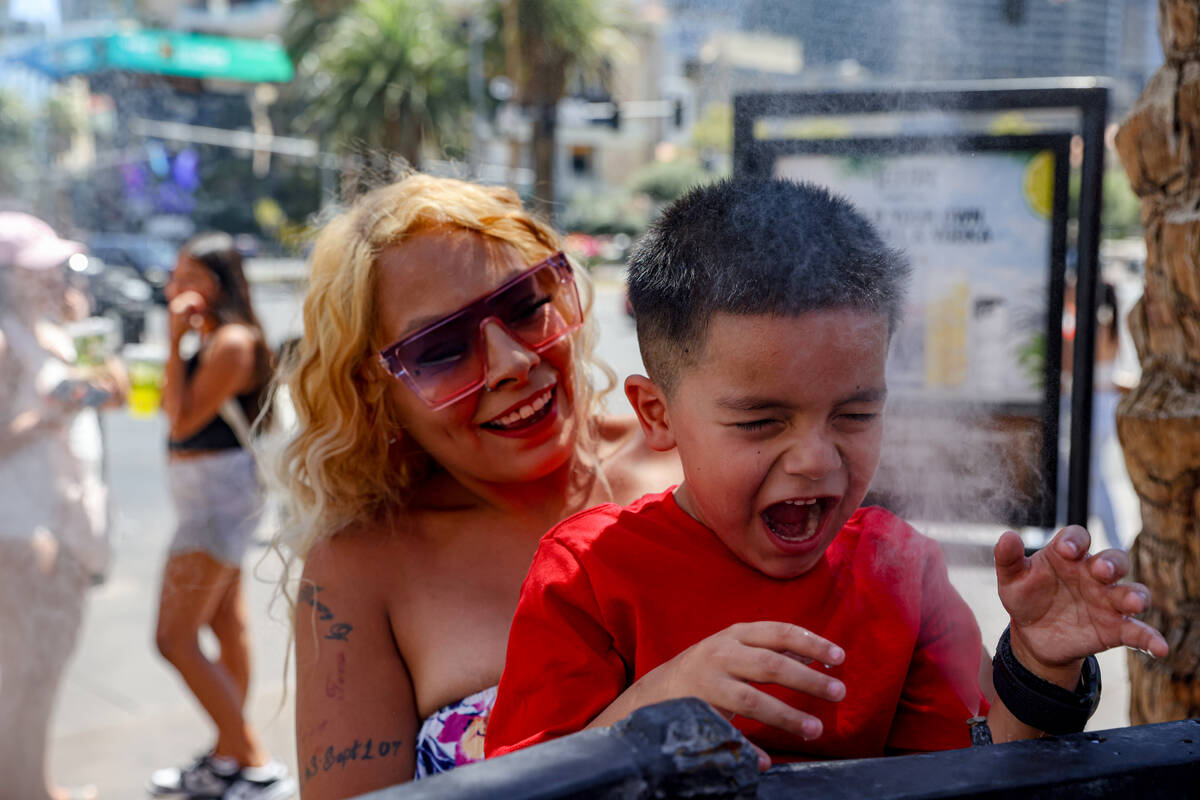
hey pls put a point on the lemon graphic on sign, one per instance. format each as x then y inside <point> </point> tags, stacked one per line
<point>1039,183</point>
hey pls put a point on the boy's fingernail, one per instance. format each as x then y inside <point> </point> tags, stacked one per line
<point>836,653</point>
<point>1071,547</point>
<point>837,690</point>
<point>811,728</point>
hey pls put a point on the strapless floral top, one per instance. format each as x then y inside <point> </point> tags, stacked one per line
<point>453,736</point>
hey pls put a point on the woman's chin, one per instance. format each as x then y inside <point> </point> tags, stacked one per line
<point>549,455</point>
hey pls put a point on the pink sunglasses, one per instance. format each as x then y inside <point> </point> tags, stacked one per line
<point>445,361</point>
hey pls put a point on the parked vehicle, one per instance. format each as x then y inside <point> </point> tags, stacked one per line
<point>117,292</point>
<point>151,258</point>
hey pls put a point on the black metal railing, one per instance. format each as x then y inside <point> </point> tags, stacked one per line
<point>682,748</point>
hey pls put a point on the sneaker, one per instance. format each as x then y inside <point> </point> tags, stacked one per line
<point>268,782</point>
<point>209,776</point>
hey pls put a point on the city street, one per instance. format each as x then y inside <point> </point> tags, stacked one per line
<point>123,712</point>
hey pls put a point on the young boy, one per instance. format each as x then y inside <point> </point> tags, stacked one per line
<point>764,311</point>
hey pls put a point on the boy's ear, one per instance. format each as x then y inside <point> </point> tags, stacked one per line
<point>650,404</point>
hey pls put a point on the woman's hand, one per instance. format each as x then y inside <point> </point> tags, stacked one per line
<point>1067,605</point>
<point>113,379</point>
<point>185,312</point>
<point>721,668</point>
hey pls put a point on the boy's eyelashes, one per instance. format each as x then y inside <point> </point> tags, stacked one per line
<point>754,425</point>
<point>860,418</point>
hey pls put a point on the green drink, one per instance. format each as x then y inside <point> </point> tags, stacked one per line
<point>145,363</point>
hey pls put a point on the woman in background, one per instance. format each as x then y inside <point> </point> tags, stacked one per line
<point>50,550</point>
<point>209,400</point>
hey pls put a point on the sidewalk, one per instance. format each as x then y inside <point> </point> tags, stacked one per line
<point>124,712</point>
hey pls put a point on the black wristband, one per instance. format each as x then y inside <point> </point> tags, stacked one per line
<point>1040,703</point>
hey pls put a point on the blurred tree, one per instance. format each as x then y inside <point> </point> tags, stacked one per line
<point>308,24</point>
<point>63,123</point>
<point>1120,213</point>
<point>713,131</point>
<point>1120,208</point>
<point>664,181</point>
<point>385,76</point>
<point>16,154</point>
<point>548,43</point>
<point>604,213</point>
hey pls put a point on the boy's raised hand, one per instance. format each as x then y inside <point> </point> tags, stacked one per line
<point>720,669</point>
<point>1066,605</point>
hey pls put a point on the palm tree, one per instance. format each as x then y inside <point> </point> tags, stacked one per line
<point>548,43</point>
<point>384,76</point>
<point>16,153</point>
<point>1159,421</point>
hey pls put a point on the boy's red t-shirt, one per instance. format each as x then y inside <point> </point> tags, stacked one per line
<point>614,592</point>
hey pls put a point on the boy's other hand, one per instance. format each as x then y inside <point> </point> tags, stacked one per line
<point>1066,605</point>
<point>720,669</point>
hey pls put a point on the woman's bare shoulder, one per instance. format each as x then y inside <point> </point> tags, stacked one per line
<point>621,437</point>
<point>233,337</point>
<point>633,468</point>
<point>231,350</point>
<point>359,555</point>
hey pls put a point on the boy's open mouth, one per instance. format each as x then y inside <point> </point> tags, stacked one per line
<point>797,519</point>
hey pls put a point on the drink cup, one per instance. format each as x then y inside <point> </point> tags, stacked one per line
<point>146,367</point>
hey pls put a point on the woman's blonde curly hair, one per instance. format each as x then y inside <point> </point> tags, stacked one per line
<point>343,464</point>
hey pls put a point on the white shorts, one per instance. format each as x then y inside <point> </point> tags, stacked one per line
<point>218,504</point>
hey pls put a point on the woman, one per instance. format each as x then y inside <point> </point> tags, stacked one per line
<point>209,400</point>
<point>50,551</point>
<point>447,419</point>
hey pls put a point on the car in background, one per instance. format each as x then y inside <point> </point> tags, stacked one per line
<point>117,292</point>
<point>151,258</point>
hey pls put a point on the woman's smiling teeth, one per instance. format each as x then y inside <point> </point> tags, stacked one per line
<point>523,413</point>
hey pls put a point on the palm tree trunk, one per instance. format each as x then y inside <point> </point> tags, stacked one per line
<point>402,137</point>
<point>545,128</point>
<point>1159,421</point>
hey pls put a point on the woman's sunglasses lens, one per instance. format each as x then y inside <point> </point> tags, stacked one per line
<point>444,362</point>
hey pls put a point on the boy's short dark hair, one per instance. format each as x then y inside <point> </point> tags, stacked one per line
<point>754,246</point>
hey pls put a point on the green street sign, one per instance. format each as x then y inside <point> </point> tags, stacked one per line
<point>197,56</point>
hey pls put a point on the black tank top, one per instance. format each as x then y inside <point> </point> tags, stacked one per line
<point>216,435</point>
